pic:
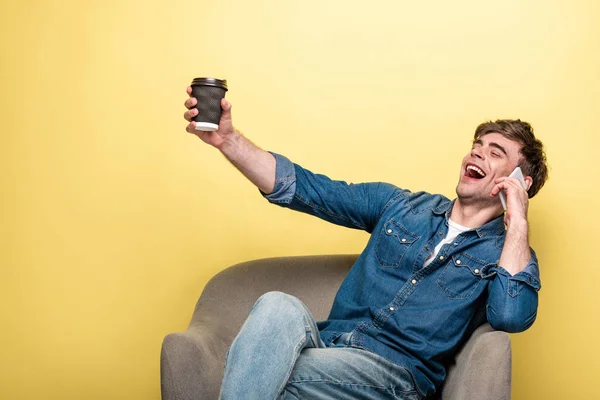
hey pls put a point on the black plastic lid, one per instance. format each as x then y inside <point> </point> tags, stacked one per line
<point>221,83</point>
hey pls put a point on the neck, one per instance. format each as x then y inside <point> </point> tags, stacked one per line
<point>473,215</point>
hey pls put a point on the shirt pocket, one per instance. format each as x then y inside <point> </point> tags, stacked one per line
<point>461,277</point>
<point>392,244</point>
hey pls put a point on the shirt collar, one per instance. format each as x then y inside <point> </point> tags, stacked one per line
<point>494,227</point>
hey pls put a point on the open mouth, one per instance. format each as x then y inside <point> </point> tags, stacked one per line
<point>473,171</point>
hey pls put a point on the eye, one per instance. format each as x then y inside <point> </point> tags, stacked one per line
<point>496,154</point>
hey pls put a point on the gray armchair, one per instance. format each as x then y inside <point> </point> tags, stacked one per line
<point>192,362</point>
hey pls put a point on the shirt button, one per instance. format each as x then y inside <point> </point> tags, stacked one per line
<point>476,271</point>
<point>389,231</point>
<point>403,240</point>
<point>441,257</point>
<point>414,281</point>
<point>426,248</point>
<point>392,308</point>
<point>440,233</point>
<point>458,262</point>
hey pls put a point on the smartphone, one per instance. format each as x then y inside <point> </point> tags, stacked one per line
<point>517,173</point>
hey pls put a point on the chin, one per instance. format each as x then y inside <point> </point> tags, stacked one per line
<point>470,197</point>
<point>463,193</point>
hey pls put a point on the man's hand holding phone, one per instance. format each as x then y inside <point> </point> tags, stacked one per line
<point>512,191</point>
<point>517,174</point>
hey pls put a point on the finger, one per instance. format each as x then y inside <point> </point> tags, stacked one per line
<point>511,181</point>
<point>189,90</point>
<point>188,115</point>
<point>497,188</point>
<point>506,182</point>
<point>190,103</point>
<point>514,184</point>
<point>191,127</point>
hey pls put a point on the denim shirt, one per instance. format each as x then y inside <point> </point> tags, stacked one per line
<point>415,316</point>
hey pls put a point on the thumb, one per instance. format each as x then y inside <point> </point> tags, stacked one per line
<point>226,114</point>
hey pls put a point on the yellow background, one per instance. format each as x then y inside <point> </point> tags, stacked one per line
<point>113,217</point>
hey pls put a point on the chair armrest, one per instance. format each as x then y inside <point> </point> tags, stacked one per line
<point>192,362</point>
<point>483,368</point>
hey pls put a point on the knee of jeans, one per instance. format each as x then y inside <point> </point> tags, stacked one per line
<point>274,297</point>
<point>277,301</point>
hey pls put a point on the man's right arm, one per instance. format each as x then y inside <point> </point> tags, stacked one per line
<point>256,164</point>
<point>352,205</point>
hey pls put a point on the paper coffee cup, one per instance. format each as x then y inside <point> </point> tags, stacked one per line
<point>208,92</point>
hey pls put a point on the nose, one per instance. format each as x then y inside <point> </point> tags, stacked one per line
<point>476,153</point>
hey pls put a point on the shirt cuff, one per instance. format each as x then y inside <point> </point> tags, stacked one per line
<point>285,181</point>
<point>530,275</point>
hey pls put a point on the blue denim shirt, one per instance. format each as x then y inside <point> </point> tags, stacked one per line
<point>414,316</point>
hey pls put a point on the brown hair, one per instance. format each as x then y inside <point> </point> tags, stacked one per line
<point>533,156</point>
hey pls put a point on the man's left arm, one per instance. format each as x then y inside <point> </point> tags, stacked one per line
<point>513,294</point>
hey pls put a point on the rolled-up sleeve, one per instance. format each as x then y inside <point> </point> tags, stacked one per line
<point>513,299</point>
<point>351,205</point>
<point>285,181</point>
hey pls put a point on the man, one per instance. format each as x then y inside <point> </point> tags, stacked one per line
<point>433,270</point>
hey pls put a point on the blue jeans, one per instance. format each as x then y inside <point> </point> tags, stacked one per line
<point>278,354</point>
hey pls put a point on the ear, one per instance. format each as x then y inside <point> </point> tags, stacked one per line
<point>528,182</point>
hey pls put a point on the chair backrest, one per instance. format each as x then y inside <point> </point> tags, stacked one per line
<point>313,279</point>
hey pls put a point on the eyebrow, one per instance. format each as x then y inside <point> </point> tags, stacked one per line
<point>492,144</point>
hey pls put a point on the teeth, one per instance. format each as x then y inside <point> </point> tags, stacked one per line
<point>474,168</point>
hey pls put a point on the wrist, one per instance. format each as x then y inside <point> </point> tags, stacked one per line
<point>518,225</point>
<point>230,142</point>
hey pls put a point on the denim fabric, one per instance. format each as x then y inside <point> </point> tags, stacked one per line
<point>414,316</point>
<point>278,354</point>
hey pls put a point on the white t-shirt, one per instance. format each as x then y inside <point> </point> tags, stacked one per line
<point>454,230</point>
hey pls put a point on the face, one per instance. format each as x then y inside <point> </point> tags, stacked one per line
<point>493,156</point>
